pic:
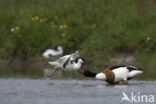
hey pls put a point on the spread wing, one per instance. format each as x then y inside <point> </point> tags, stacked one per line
<point>75,55</point>
<point>71,58</point>
<point>63,59</point>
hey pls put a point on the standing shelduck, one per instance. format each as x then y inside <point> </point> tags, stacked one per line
<point>114,74</point>
<point>56,51</point>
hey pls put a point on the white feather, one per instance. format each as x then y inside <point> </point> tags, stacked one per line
<point>58,64</point>
<point>74,66</point>
<point>121,74</point>
<point>134,73</point>
<point>101,76</point>
<point>53,53</point>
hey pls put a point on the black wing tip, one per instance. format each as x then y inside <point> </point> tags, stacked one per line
<point>134,68</point>
<point>129,67</point>
<point>115,67</point>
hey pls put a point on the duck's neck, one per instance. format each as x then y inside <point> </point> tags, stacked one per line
<point>87,73</point>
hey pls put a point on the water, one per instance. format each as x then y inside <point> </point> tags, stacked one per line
<point>40,91</point>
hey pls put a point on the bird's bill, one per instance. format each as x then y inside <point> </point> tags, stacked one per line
<point>81,71</point>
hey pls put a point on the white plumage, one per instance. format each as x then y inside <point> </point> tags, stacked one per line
<point>70,62</point>
<point>114,74</point>
<point>57,51</point>
<point>123,73</point>
<point>100,76</point>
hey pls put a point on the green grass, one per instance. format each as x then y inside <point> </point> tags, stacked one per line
<point>99,29</point>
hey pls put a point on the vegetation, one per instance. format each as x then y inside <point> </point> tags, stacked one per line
<point>99,29</point>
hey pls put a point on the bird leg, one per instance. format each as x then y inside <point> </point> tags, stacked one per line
<point>123,82</point>
<point>50,72</point>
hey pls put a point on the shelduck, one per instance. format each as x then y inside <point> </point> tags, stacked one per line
<point>56,51</point>
<point>114,74</point>
<point>70,62</point>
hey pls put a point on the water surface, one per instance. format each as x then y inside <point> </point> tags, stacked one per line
<point>41,91</point>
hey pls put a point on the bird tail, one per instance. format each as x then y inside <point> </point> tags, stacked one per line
<point>53,63</point>
<point>134,73</point>
<point>130,68</point>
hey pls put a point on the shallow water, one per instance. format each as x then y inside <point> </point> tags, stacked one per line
<point>36,91</point>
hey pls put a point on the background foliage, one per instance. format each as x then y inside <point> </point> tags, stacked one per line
<point>99,29</point>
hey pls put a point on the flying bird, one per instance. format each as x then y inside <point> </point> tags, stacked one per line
<point>70,62</point>
<point>56,51</point>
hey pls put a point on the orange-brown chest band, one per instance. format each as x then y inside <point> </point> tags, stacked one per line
<point>110,76</point>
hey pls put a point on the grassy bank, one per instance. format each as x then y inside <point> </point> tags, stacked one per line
<point>99,29</point>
